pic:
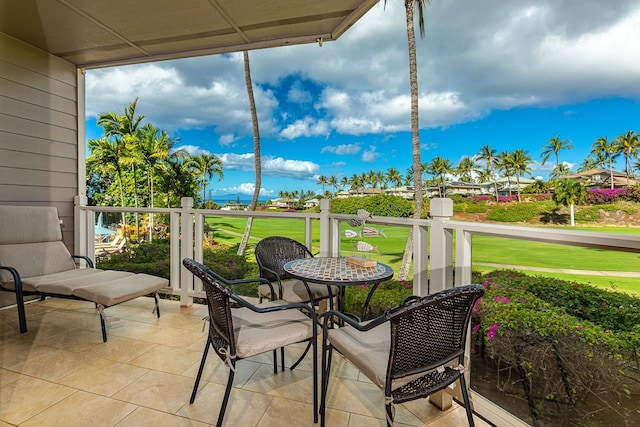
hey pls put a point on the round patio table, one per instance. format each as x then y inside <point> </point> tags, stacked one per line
<point>337,271</point>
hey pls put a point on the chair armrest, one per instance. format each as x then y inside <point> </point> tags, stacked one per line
<point>243,302</point>
<point>240,281</point>
<point>277,276</point>
<point>85,258</point>
<point>17,281</point>
<point>328,317</point>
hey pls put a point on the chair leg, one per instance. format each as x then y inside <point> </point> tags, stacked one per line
<point>314,344</point>
<point>389,410</point>
<point>103,325</point>
<point>282,356</point>
<point>157,307</point>
<point>227,393</point>
<point>326,368</point>
<point>202,362</point>
<point>306,350</point>
<point>275,361</point>
<point>467,403</point>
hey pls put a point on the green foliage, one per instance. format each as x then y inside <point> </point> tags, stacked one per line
<point>574,345</point>
<point>150,258</point>
<point>380,205</point>
<point>569,192</point>
<point>537,187</point>
<point>225,261</point>
<point>464,205</point>
<point>388,295</point>
<point>514,212</point>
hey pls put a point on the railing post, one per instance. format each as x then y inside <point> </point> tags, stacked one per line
<point>420,260</point>
<point>186,251</point>
<point>81,228</point>
<point>441,245</point>
<point>325,228</point>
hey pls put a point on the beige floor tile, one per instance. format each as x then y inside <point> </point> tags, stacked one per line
<point>245,408</point>
<point>456,417</point>
<point>216,371</point>
<point>158,390</point>
<point>167,359</point>
<point>362,421</point>
<point>294,385</point>
<point>14,351</point>
<point>28,396</point>
<point>282,412</point>
<point>7,377</point>
<point>118,349</point>
<point>145,417</point>
<point>71,339</point>
<point>175,320</point>
<point>176,337</point>
<point>102,376</point>
<point>127,328</point>
<point>51,365</point>
<point>82,409</point>
<point>68,319</point>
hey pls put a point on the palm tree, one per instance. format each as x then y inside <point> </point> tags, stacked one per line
<point>627,145</point>
<point>440,168</point>
<point>322,180</point>
<point>153,148</point>
<point>333,182</point>
<point>257,159</point>
<point>205,166</point>
<point>604,149</point>
<point>560,171</point>
<point>488,155</point>
<point>393,176</point>
<point>505,165</point>
<point>569,192</point>
<point>520,161</point>
<point>554,146</point>
<point>465,169</point>
<point>410,6</point>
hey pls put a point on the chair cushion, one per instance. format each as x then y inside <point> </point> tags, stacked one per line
<point>294,291</point>
<point>34,259</point>
<point>258,333</point>
<point>369,352</point>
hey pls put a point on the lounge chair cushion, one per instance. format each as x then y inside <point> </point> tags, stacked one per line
<point>294,291</point>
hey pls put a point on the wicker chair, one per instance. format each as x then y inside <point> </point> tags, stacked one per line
<point>239,333</point>
<point>410,351</point>
<point>272,253</point>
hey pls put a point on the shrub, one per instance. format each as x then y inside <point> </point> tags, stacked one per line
<point>606,195</point>
<point>381,205</point>
<point>388,295</point>
<point>519,212</point>
<point>225,261</point>
<point>563,347</point>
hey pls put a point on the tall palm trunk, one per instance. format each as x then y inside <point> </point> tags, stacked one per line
<point>256,152</point>
<point>415,137</point>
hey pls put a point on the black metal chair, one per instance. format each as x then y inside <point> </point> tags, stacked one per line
<point>272,253</point>
<point>410,351</point>
<point>239,333</point>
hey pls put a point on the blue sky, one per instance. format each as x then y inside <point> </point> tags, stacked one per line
<point>523,73</point>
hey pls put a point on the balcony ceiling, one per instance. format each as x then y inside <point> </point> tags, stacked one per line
<point>93,34</point>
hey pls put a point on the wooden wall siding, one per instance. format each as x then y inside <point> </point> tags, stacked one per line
<point>38,130</point>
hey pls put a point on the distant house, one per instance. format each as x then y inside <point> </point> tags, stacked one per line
<point>234,206</point>
<point>284,203</point>
<point>404,191</point>
<point>312,203</point>
<point>601,178</point>
<point>342,194</point>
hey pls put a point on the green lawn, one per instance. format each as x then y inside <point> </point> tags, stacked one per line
<point>486,249</point>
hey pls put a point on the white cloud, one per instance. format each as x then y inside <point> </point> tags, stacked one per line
<point>306,127</point>
<point>271,166</point>
<point>342,149</point>
<point>245,188</point>
<point>370,155</point>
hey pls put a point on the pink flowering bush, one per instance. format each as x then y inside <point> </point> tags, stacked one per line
<point>553,336</point>
<point>606,195</point>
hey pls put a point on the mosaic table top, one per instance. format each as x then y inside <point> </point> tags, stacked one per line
<point>336,271</point>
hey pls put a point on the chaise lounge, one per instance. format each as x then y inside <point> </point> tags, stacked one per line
<point>35,261</point>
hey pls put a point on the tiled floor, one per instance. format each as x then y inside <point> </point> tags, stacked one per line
<point>61,373</point>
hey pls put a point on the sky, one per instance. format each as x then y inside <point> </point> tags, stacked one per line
<point>505,74</point>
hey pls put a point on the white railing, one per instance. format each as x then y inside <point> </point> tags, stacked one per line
<point>433,250</point>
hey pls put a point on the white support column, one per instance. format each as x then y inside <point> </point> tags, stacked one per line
<point>325,228</point>
<point>420,260</point>
<point>81,226</point>
<point>308,233</point>
<point>441,244</point>
<point>463,258</point>
<point>186,251</point>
